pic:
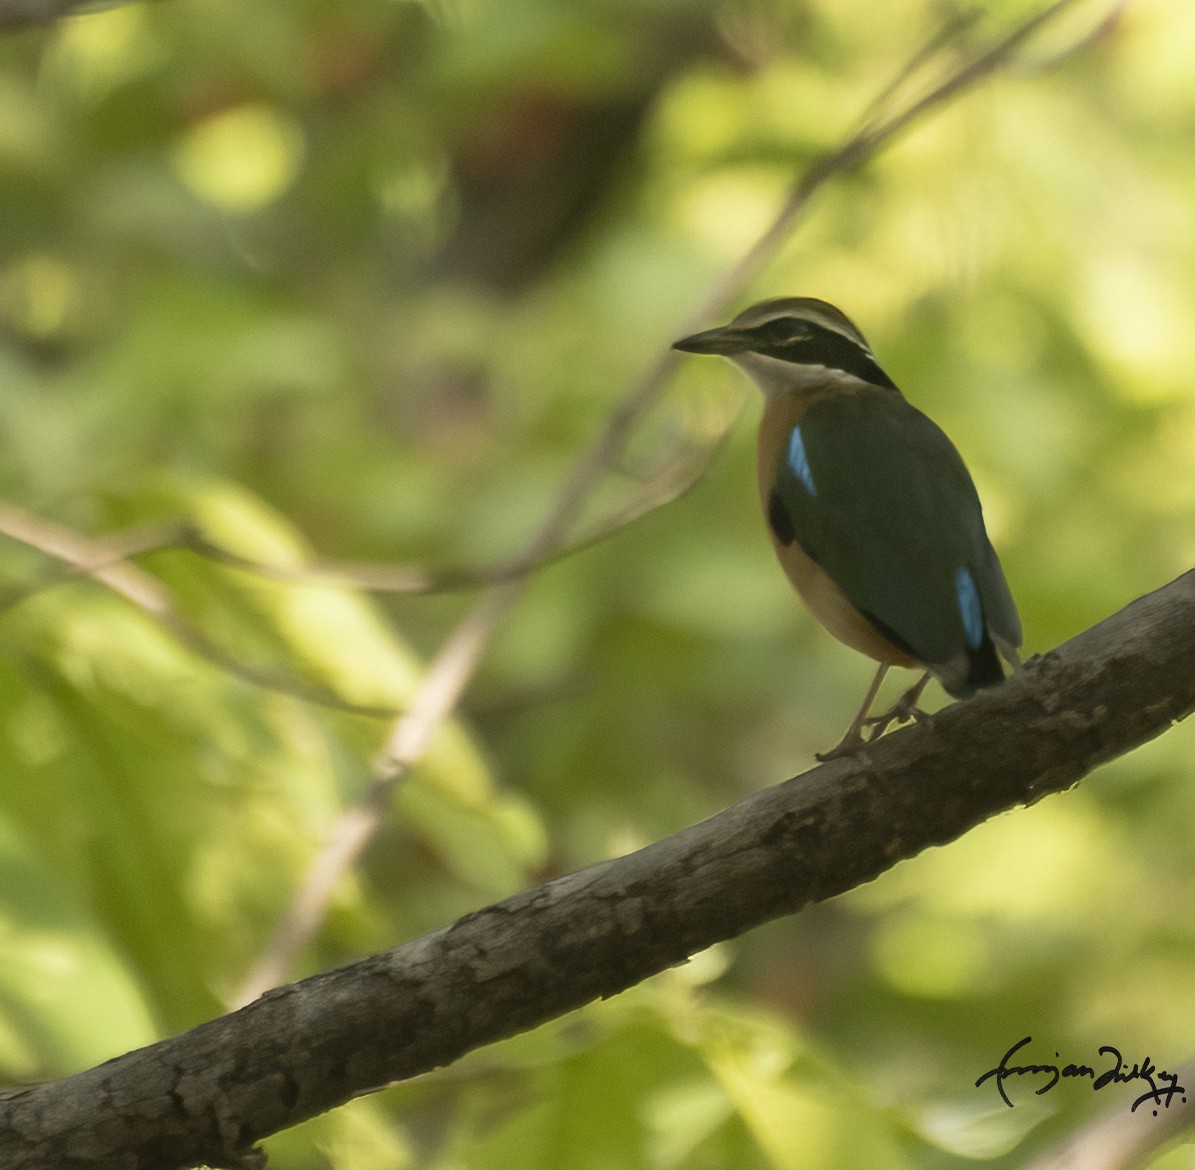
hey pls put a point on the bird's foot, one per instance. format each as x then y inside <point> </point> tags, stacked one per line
<point>878,724</point>
<point>847,746</point>
<point>904,709</point>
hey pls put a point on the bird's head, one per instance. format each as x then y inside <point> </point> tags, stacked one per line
<point>791,343</point>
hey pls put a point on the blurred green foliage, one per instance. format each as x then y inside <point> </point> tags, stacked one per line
<point>362,280</point>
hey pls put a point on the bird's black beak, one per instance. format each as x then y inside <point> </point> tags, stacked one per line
<point>725,340</point>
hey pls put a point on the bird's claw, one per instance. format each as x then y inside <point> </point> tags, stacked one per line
<point>847,746</point>
<point>897,714</point>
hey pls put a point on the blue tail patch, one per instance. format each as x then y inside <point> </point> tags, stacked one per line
<point>969,607</point>
<point>798,462</point>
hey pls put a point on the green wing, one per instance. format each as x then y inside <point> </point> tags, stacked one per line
<point>878,496</point>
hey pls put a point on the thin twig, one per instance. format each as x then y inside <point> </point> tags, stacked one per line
<point>952,31</point>
<point>1104,27</point>
<point>106,564</point>
<point>453,667</point>
<point>669,485</point>
<point>89,553</point>
<point>677,477</point>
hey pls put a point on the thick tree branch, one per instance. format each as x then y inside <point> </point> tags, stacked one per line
<point>209,1094</point>
<point>18,14</point>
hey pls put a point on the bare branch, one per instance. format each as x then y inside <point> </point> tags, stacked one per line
<point>19,14</point>
<point>105,563</point>
<point>75,555</point>
<point>208,1095</point>
<point>954,29</point>
<point>670,484</point>
<point>442,686</point>
<point>452,669</point>
<point>667,485</point>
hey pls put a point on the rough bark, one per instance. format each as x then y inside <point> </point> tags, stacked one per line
<point>19,14</point>
<point>208,1095</point>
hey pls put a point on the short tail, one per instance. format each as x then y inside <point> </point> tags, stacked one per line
<point>984,667</point>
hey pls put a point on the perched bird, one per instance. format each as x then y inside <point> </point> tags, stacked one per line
<point>871,510</point>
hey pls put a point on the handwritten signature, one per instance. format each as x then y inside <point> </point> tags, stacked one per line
<point>1163,1085</point>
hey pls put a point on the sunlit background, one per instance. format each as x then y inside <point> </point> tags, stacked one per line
<point>362,281</point>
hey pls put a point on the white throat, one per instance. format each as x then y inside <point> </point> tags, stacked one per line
<point>775,377</point>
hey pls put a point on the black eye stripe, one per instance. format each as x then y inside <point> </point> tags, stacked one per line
<point>805,343</point>
<point>781,330</point>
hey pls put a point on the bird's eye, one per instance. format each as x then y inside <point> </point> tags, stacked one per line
<point>780,332</point>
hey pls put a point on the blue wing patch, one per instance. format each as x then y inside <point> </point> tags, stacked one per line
<point>798,462</point>
<point>969,607</point>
